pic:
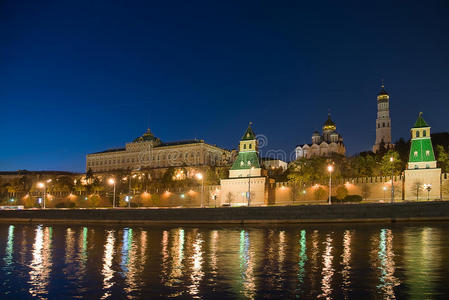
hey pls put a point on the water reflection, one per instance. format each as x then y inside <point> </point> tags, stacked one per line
<point>302,261</point>
<point>41,262</point>
<point>387,265</point>
<point>196,271</point>
<point>327,271</point>
<point>246,266</point>
<point>346,263</point>
<point>9,250</point>
<point>250,263</point>
<point>108,272</point>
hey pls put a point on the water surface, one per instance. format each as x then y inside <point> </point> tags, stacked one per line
<point>225,262</point>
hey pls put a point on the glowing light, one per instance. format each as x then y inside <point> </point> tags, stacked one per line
<point>111,181</point>
<point>40,185</point>
<point>108,271</point>
<point>199,176</point>
<point>330,168</point>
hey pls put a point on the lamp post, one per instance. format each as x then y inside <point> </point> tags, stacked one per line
<point>201,177</point>
<point>111,181</point>
<point>42,186</point>
<point>392,183</point>
<point>384,188</point>
<point>249,185</point>
<point>330,169</point>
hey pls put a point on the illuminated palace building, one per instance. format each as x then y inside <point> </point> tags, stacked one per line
<point>324,144</point>
<point>149,152</point>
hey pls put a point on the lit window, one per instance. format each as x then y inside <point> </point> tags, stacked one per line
<point>241,163</point>
<point>427,152</point>
<point>249,163</point>
<point>415,153</point>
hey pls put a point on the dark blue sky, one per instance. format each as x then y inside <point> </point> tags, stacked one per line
<point>83,76</point>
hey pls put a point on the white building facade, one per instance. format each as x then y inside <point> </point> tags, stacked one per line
<point>148,151</point>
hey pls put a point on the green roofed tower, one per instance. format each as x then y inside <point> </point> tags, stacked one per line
<point>421,150</point>
<point>248,158</point>
<point>422,177</point>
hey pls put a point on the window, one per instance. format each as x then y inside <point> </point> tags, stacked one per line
<point>383,124</point>
<point>415,153</point>
<point>427,166</point>
<point>424,133</point>
<point>244,146</point>
<point>241,163</point>
<point>250,146</point>
<point>417,134</point>
<point>427,152</point>
<point>378,125</point>
<point>416,166</point>
<point>249,163</point>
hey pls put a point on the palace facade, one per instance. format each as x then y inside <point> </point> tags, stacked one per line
<point>149,152</point>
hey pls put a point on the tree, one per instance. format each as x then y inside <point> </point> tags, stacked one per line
<point>341,192</point>
<point>320,193</point>
<point>416,188</point>
<point>388,167</point>
<point>442,158</point>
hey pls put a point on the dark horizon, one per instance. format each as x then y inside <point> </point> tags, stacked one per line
<point>77,79</point>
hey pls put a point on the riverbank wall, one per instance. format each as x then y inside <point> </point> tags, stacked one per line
<point>372,212</point>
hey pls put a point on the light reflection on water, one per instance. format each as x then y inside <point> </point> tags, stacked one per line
<point>330,262</point>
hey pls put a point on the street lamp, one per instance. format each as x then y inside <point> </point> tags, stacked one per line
<point>384,188</point>
<point>199,176</point>
<point>428,187</point>
<point>330,169</point>
<point>42,186</point>
<point>249,185</point>
<point>111,181</point>
<point>392,183</point>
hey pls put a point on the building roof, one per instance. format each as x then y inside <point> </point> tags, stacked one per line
<point>420,122</point>
<point>329,124</point>
<point>147,137</point>
<point>110,150</point>
<point>249,133</point>
<point>241,162</point>
<point>185,142</point>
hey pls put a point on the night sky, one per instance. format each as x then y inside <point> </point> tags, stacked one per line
<point>83,76</point>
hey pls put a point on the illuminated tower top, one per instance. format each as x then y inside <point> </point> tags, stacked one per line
<point>383,121</point>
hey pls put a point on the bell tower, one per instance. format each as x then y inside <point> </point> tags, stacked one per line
<point>383,121</point>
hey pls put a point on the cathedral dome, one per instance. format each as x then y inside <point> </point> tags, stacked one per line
<point>148,136</point>
<point>329,124</point>
<point>316,133</point>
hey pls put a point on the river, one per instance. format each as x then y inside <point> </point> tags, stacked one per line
<point>341,261</point>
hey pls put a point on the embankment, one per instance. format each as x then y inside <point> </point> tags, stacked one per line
<point>379,212</point>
